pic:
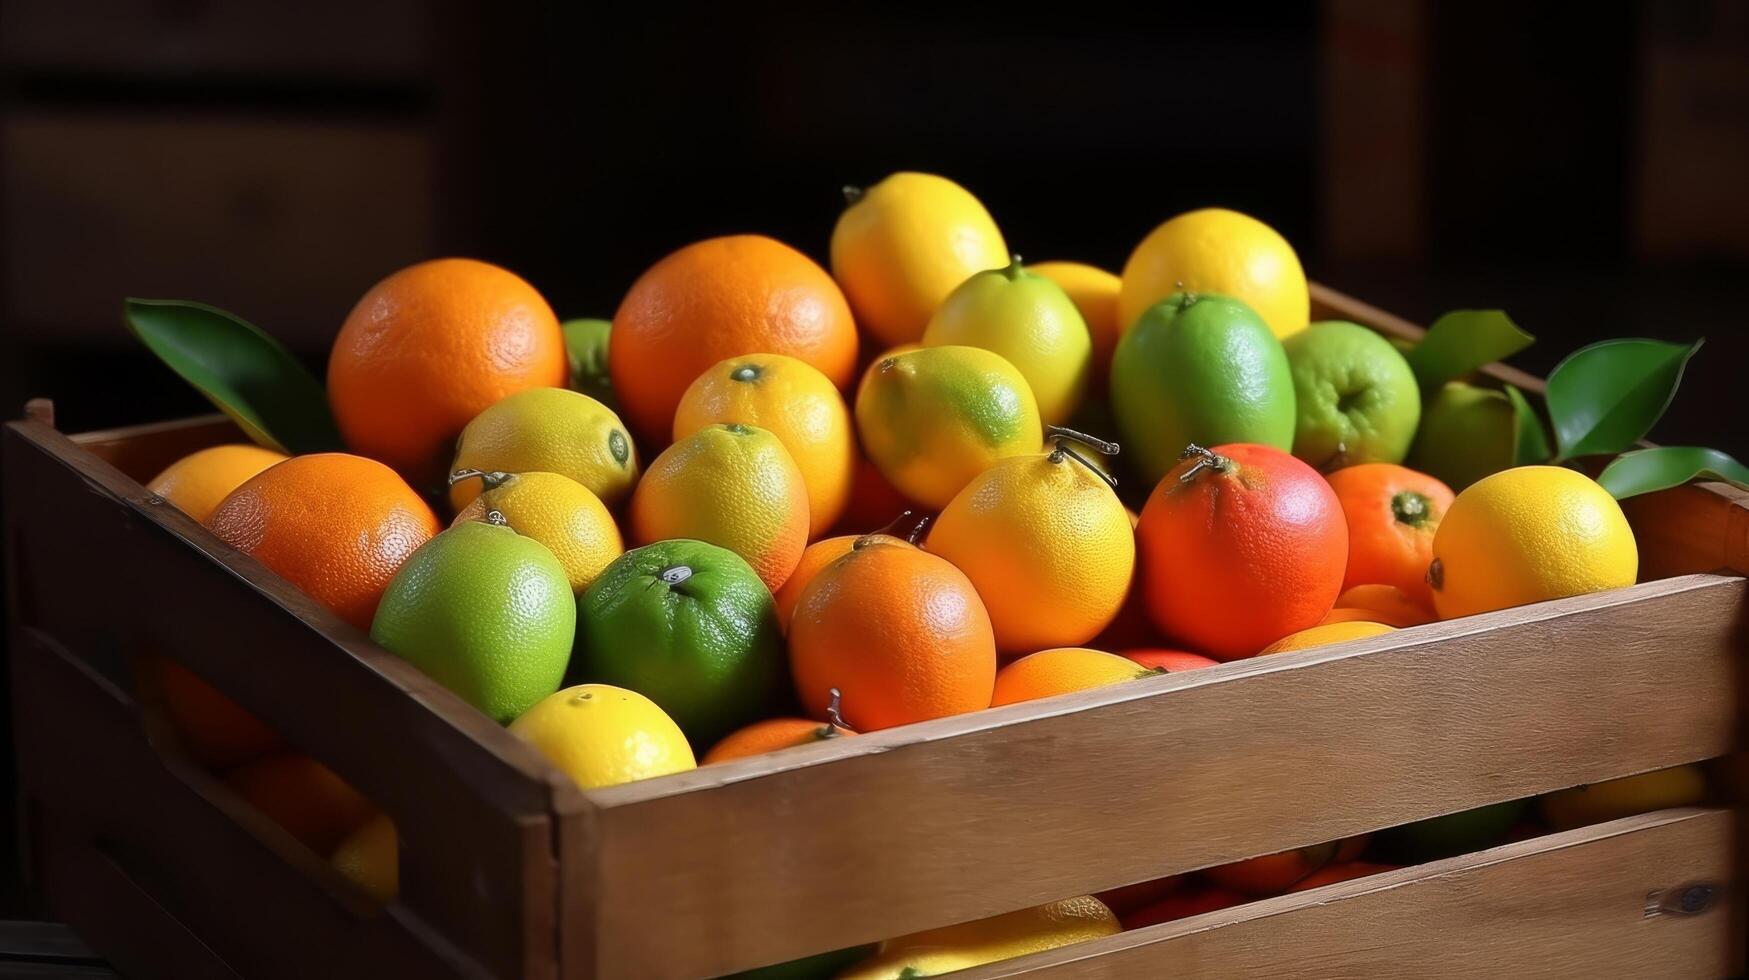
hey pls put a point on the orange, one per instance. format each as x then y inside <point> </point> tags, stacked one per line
<point>900,632</point>
<point>1094,292</point>
<point>429,348</point>
<point>776,733</point>
<point>336,526</point>
<point>303,796</point>
<point>197,482</point>
<point>795,403</point>
<point>1392,513</point>
<point>1326,634</point>
<point>733,486</point>
<point>1272,874</point>
<point>1170,661</point>
<point>723,297</point>
<point>1345,871</point>
<point>1240,546</point>
<point>817,556</point>
<point>1184,903</point>
<point>214,729</point>
<point>1059,671</point>
<point>1380,604</point>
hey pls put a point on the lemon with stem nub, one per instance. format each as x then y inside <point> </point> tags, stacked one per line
<point>555,510</point>
<point>601,735</point>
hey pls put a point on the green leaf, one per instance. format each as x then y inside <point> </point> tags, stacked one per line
<point>240,369</point>
<point>1462,341</point>
<point>1603,398</point>
<point>1529,444</point>
<point>1662,467</point>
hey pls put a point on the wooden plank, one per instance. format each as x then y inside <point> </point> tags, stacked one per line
<point>480,868</point>
<point>1567,905</point>
<point>143,451</point>
<point>856,839</point>
<point>1703,527</point>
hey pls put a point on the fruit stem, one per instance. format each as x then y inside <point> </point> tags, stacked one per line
<point>488,481</point>
<point>1060,432</point>
<point>674,575</point>
<point>1205,459</point>
<point>1185,297</point>
<point>496,518</point>
<point>1436,575</point>
<point>1411,508</point>
<point>834,720</point>
<point>1063,450</point>
<point>852,194</point>
<point>1012,271</point>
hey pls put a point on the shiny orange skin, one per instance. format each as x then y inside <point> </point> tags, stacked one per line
<point>200,481</point>
<point>874,502</point>
<point>303,796</point>
<point>1129,898</point>
<point>716,299</point>
<point>1170,661</point>
<point>1241,554</point>
<point>336,526</point>
<point>1392,513</point>
<point>1273,874</point>
<point>1186,902</point>
<point>769,736</point>
<point>429,348</point>
<point>900,632</point>
<point>1345,871</point>
<point>817,556</point>
<point>1059,671</point>
<point>212,728</point>
<point>1379,604</point>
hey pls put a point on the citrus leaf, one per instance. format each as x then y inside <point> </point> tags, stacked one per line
<point>1603,398</point>
<point>240,369</point>
<point>1529,443</point>
<point>1462,341</point>
<point>1662,467</point>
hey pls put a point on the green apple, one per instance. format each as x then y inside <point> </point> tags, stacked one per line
<point>1466,434</point>
<point>586,349</point>
<point>1355,397</point>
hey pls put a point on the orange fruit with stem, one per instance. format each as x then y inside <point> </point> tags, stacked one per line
<point>901,632</point>
<point>828,550</point>
<point>1059,671</point>
<point>719,298</point>
<point>1392,513</point>
<point>429,348</point>
<point>778,733</point>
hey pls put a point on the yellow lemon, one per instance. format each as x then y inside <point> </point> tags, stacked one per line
<point>1048,546</point>
<point>1616,798</point>
<point>1218,251</point>
<point>556,511</point>
<point>1094,292</point>
<point>1001,937</point>
<point>548,430</point>
<point>1029,320</point>
<point>933,418</point>
<point>601,735</point>
<point>370,858</point>
<point>793,401</point>
<point>1526,535</point>
<point>903,245</point>
<point>1326,634</point>
<point>196,483</point>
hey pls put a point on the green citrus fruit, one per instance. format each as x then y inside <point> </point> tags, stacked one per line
<point>1466,434</point>
<point>586,350</point>
<point>1355,397</point>
<point>1199,368</point>
<point>690,626</point>
<point>486,612</point>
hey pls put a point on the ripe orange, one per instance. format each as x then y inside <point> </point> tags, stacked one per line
<point>817,556</point>
<point>798,405</point>
<point>1392,512</point>
<point>773,734</point>
<point>1272,874</point>
<point>214,729</point>
<point>1170,661</point>
<point>1184,903</point>
<point>1379,604</point>
<point>1326,634</point>
<point>303,796</point>
<point>429,348</point>
<point>1059,671</point>
<point>1129,898</point>
<point>899,631</point>
<point>1345,871</point>
<point>336,526</point>
<point>196,483</point>
<point>723,297</point>
<point>733,486</point>
<point>1240,546</point>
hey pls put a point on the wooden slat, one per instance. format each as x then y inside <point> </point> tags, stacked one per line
<point>1698,528</point>
<point>825,846</point>
<point>142,451</point>
<point>1567,905</point>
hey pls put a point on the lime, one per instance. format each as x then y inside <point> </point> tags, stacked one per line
<point>586,350</point>
<point>486,613</point>
<point>1202,369</point>
<point>1355,397</point>
<point>601,735</point>
<point>1466,434</point>
<point>691,626</point>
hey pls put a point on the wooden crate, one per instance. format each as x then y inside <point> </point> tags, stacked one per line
<point>508,870</point>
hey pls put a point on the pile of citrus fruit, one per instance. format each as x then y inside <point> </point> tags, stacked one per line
<point>773,502</point>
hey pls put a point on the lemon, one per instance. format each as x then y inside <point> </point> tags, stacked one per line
<point>370,858</point>
<point>1616,798</point>
<point>549,430</point>
<point>1526,535</point>
<point>1215,250</point>
<point>1001,937</point>
<point>1048,546</point>
<point>1094,292</point>
<point>601,735</point>
<point>1029,320</point>
<point>1325,634</point>
<point>903,245</point>
<point>933,418</point>
<point>556,511</point>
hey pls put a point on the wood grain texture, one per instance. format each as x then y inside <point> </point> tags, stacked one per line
<point>1566,905</point>
<point>825,846</point>
<point>143,451</point>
